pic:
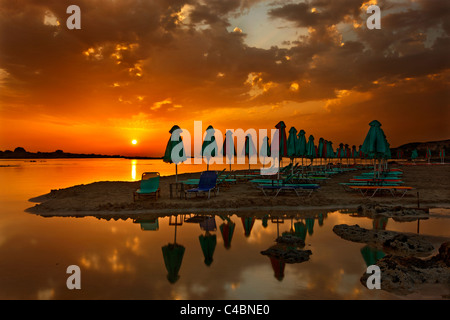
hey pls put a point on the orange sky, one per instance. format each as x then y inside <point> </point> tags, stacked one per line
<point>137,68</point>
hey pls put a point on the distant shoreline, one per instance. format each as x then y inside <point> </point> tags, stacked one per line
<point>33,156</point>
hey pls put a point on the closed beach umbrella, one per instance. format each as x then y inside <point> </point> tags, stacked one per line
<point>300,230</point>
<point>208,244</point>
<point>249,148</point>
<point>228,149</point>
<point>330,152</point>
<point>282,143</point>
<point>265,152</point>
<point>414,154</point>
<point>310,149</point>
<point>428,155</point>
<point>248,222</point>
<point>209,145</point>
<point>173,257</point>
<point>301,145</point>
<point>375,145</point>
<point>291,143</point>
<point>175,149</point>
<point>371,255</point>
<point>227,231</point>
<point>310,225</point>
<point>278,268</point>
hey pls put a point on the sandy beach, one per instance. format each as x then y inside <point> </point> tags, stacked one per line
<point>431,182</point>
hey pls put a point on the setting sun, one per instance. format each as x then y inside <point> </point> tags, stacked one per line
<point>134,141</point>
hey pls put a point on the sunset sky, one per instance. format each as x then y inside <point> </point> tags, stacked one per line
<point>138,67</point>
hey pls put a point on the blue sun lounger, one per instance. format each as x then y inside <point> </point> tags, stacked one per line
<point>206,184</point>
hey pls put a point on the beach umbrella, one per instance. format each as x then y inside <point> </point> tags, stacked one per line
<point>300,230</point>
<point>227,231</point>
<point>320,219</point>
<point>324,151</point>
<point>173,257</point>
<point>354,154</point>
<point>320,154</point>
<point>175,149</point>
<point>310,225</point>
<point>330,152</point>
<point>278,267</point>
<point>375,145</point>
<point>371,255</point>
<point>282,143</point>
<point>399,153</point>
<point>414,154</point>
<point>265,152</point>
<point>208,244</point>
<point>310,149</point>
<point>347,153</point>
<point>249,148</point>
<point>291,143</point>
<point>248,225</point>
<point>209,146</point>
<point>442,155</point>
<point>301,145</point>
<point>428,156</point>
<point>228,149</point>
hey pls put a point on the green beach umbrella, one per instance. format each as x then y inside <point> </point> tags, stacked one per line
<point>249,148</point>
<point>208,244</point>
<point>414,154</point>
<point>228,149</point>
<point>310,148</point>
<point>375,145</point>
<point>265,152</point>
<point>175,149</point>
<point>292,143</point>
<point>320,147</point>
<point>282,143</point>
<point>248,225</point>
<point>209,146</point>
<point>300,230</point>
<point>428,155</point>
<point>330,152</point>
<point>310,225</point>
<point>301,145</point>
<point>173,257</point>
<point>371,255</point>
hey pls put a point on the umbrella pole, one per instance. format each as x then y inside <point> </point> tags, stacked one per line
<point>176,173</point>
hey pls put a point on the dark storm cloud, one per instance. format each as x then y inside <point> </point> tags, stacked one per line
<point>198,63</point>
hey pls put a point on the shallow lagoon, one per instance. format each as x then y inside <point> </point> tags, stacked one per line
<point>123,259</point>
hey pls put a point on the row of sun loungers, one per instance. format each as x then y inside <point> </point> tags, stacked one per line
<point>371,183</point>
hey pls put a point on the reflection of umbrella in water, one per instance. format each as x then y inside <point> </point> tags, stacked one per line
<point>278,268</point>
<point>310,225</point>
<point>300,230</point>
<point>208,243</point>
<point>148,224</point>
<point>173,257</point>
<point>320,219</point>
<point>248,225</point>
<point>371,255</point>
<point>227,230</point>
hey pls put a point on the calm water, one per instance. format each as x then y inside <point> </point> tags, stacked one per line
<point>124,259</point>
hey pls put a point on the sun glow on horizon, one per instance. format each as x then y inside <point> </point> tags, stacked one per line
<point>134,142</point>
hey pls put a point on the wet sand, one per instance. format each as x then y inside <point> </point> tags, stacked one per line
<point>432,183</point>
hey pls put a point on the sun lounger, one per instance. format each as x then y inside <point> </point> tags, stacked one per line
<point>149,186</point>
<point>308,188</point>
<point>206,184</point>
<point>392,189</point>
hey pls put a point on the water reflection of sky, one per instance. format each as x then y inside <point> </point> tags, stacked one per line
<point>119,260</point>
